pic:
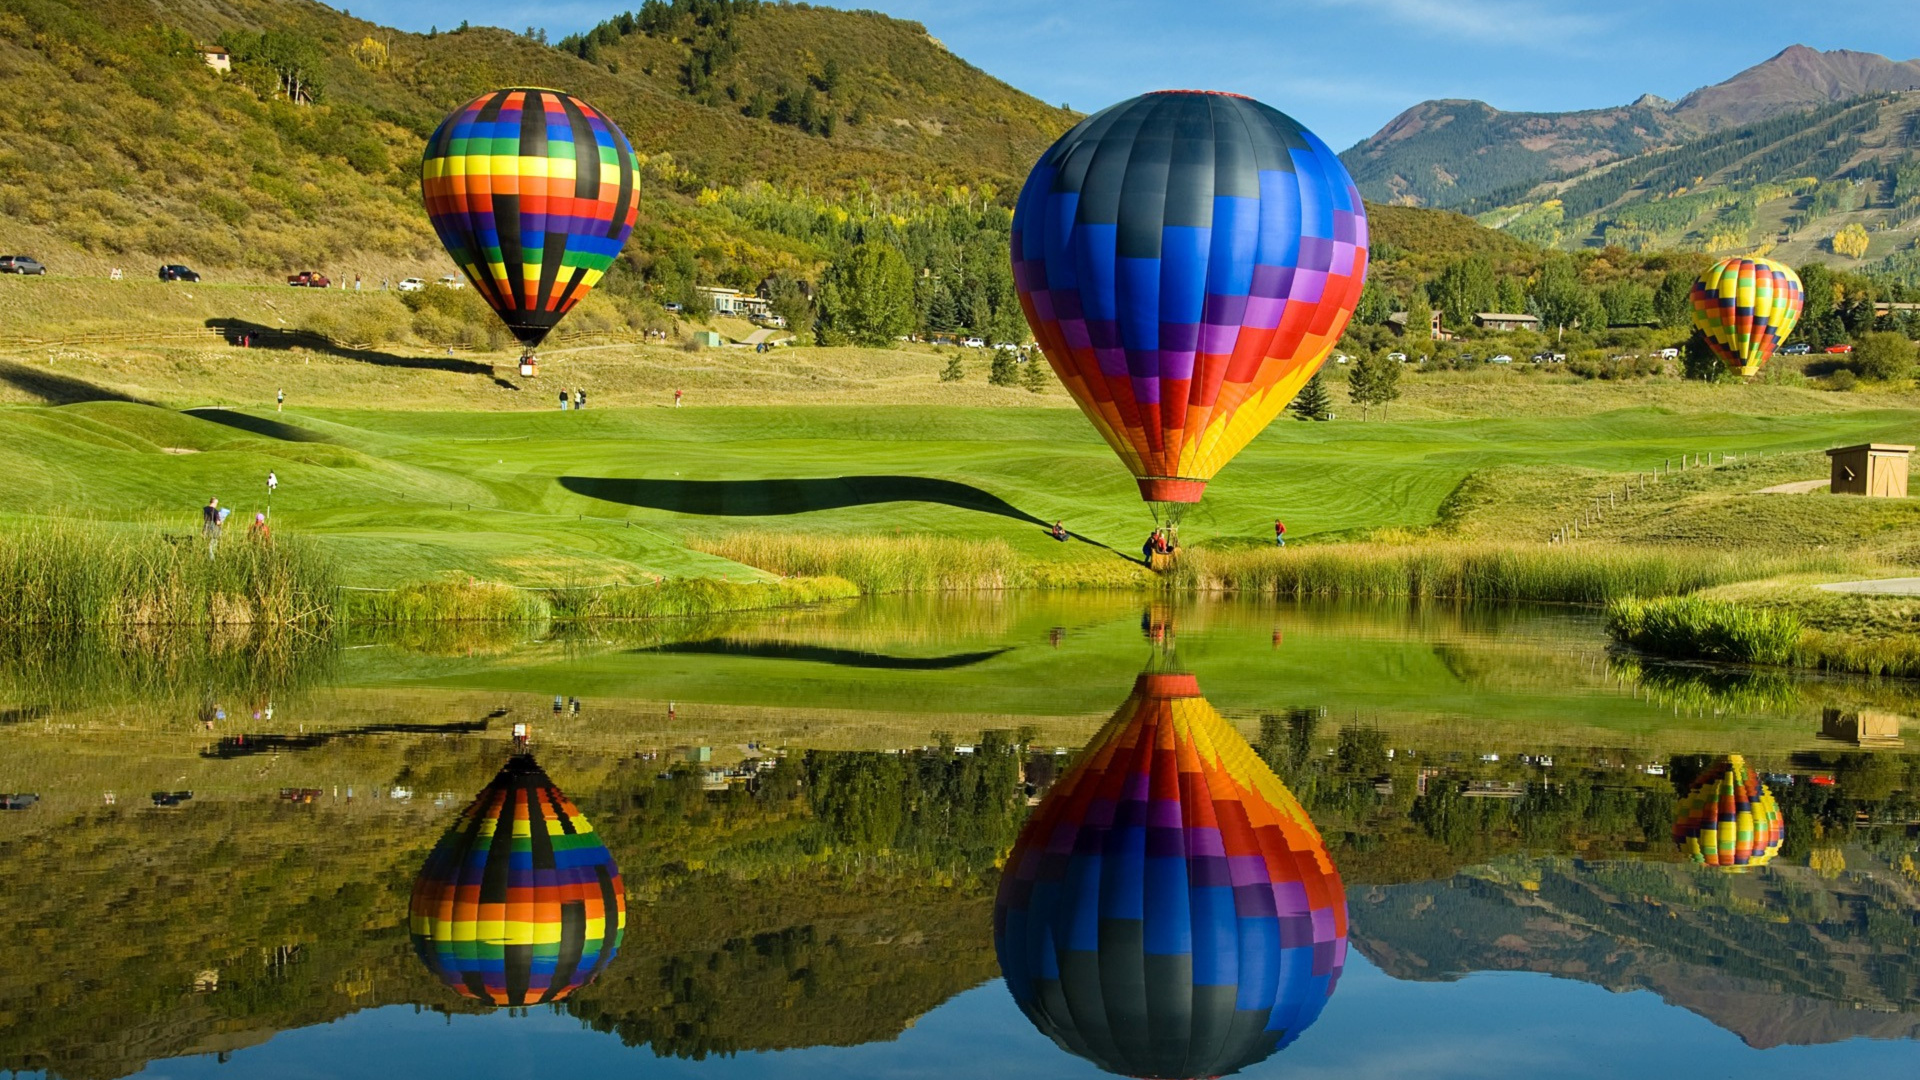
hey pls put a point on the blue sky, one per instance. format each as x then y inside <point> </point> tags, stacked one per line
<point>1343,67</point>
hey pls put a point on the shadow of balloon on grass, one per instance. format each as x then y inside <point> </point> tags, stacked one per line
<point>823,654</point>
<point>767,498</point>
<point>54,388</point>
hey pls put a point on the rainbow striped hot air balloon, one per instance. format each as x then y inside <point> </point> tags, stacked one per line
<point>1745,307</point>
<point>1169,910</point>
<point>533,193</point>
<point>1729,818</point>
<point>519,902</point>
<point>1187,261</point>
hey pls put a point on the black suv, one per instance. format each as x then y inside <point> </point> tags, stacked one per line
<point>176,272</point>
<point>21,264</point>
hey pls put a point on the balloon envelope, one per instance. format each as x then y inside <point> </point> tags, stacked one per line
<point>1729,818</point>
<point>1187,261</point>
<point>1745,307</point>
<point>533,193</point>
<point>519,902</point>
<point>1169,910</point>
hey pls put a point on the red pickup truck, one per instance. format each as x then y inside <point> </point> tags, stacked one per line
<point>313,279</point>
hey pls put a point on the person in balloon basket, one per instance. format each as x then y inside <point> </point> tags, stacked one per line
<point>1279,533</point>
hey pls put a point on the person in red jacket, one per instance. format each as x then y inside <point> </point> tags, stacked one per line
<point>1279,533</point>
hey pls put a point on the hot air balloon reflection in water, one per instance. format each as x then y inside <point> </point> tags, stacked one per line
<point>1187,261</point>
<point>1169,910</point>
<point>1745,307</point>
<point>1729,818</point>
<point>519,903</point>
<point>533,193</point>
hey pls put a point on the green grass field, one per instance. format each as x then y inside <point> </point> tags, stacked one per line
<point>410,465</point>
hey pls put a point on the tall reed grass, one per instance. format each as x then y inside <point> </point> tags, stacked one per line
<point>162,666</point>
<point>1469,571</point>
<point>879,564</point>
<point>1696,628</point>
<point>1881,654</point>
<point>88,574</point>
<point>454,600</point>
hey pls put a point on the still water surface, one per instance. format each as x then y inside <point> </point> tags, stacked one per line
<point>1024,836</point>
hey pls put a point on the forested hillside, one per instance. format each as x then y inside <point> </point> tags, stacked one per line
<point>1730,166</point>
<point>1839,184</point>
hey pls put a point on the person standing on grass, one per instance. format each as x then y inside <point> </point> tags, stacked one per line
<point>1279,533</point>
<point>280,400</point>
<point>676,399</point>
<point>259,530</point>
<point>210,524</point>
<point>579,400</point>
<point>563,401</point>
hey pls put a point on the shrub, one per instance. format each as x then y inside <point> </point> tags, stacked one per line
<point>1689,627</point>
<point>1884,355</point>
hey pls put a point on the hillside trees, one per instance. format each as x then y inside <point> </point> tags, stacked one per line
<point>1851,241</point>
<point>1373,380</point>
<point>866,298</point>
<point>1673,300</point>
<point>1464,287</point>
<point>1562,301</point>
<point>291,62</point>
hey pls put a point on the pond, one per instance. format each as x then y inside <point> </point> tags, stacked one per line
<point>1020,835</point>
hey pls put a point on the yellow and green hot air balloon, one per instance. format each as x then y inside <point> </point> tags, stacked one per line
<point>1729,818</point>
<point>1745,307</point>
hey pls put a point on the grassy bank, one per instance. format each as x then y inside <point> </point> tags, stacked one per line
<point>917,563</point>
<point>83,574</point>
<point>1785,624</point>
<point>1577,574</point>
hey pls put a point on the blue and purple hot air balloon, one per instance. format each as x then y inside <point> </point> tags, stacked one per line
<point>1187,261</point>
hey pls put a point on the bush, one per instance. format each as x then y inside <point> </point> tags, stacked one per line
<point>1884,356</point>
<point>1842,380</point>
<point>1692,628</point>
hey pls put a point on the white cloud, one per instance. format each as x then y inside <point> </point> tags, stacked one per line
<point>1512,21</point>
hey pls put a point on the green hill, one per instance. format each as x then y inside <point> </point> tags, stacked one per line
<point>125,148</point>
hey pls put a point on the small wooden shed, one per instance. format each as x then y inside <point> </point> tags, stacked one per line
<point>1872,469</point>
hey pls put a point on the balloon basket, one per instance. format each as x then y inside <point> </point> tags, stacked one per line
<point>529,369</point>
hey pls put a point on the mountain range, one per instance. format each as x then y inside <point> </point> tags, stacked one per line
<point>1447,153</point>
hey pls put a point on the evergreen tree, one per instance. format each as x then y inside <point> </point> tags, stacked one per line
<point>1001,372</point>
<point>1313,402</point>
<point>1033,373</point>
<point>954,371</point>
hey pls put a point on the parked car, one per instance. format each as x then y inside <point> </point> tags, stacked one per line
<point>1339,358</point>
<point>974,343</point>
<point>312,279</point>
<point>1503,358</point>
<point>1540,358</point>
<point>776,322</point>
<point>412,284</point>
<point>21,264</point>
<point>1798,348</point>
<point>1397,357</point>
<point>672,306</point>
<point>1669,354</point>
<point>454,281</point>
<point>176,272</point>
<point>1466,358</point>
<point>1838,350</point>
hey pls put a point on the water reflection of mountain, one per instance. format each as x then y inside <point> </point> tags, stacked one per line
<point>1780,957</point>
